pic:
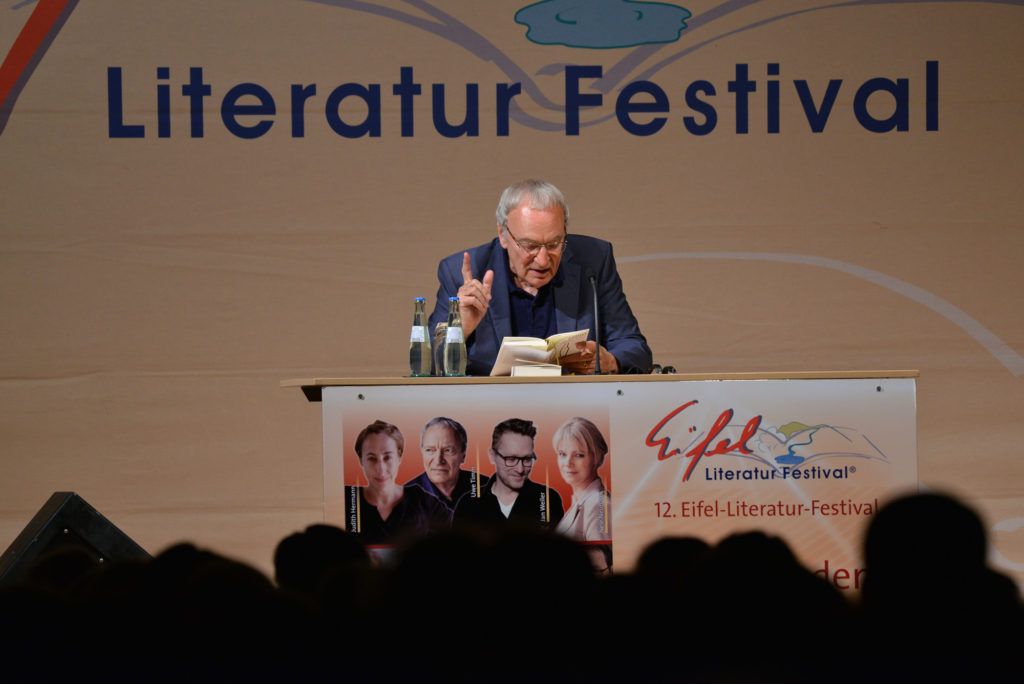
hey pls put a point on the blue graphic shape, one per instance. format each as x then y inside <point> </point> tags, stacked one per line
<point>602,23</point>
<point>793,458</point>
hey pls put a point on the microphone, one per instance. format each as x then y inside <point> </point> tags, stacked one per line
<point>597,326</point>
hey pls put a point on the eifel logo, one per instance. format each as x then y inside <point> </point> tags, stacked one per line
<point>784,452</point>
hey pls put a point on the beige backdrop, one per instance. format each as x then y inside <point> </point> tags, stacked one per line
<point>155,291</point>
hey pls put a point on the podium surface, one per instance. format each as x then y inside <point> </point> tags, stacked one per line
<point>313,387</point>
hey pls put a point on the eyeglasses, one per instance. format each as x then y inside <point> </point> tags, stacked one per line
<point>532,247</point>
<point>513,461</point>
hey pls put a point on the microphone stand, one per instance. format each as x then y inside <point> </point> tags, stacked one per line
<point>597,327</point>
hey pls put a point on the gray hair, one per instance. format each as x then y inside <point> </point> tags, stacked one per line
<point>586,432</point>
<point>453,425</point>
<point>539,194</point>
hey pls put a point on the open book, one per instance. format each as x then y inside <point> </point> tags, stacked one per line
<point>533,351</point>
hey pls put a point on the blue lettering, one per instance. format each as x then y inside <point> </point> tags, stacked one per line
<point>700,107</point>
<point>624,106</point>
<point>230,109</point>
<point>196,90</point>
<point>642,107</point>
<point>406,89</point>
<point>931,95</point>
<point>900,118</point>
<point>470,124</point>
<point>574,100</point>
<point>163,103</point>
<point>817,117</point>
<point>742,86</point>
<point>369,95</point>
<point>299,96</point>
<point>116,128</point>
<point>773,99</point>
<point>503,94</point>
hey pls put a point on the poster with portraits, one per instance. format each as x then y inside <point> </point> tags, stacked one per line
<point>617,463</point>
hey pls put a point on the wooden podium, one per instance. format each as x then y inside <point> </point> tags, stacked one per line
<point>808,456</point>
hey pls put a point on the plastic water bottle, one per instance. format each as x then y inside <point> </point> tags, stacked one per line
<point>454,342</point>
<point>419,342</point>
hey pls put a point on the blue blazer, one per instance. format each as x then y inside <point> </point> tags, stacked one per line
<point>583,255</point>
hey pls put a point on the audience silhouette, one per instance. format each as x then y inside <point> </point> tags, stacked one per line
<point>514,604</point>
<point>931,604</point>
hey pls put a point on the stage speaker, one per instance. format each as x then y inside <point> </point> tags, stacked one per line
<point>66,519</point>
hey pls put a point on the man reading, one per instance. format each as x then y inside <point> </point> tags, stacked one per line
<point>534,280</point>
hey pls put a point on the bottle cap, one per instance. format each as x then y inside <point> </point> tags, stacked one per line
<point>419,299</point>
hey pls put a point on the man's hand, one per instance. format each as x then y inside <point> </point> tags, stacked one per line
<point>474,296</point>
<point>584,361</point>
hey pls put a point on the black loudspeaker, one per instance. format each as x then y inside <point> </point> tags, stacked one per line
<point>66,520</point>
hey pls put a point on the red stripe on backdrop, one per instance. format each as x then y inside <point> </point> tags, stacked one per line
<point>29,47</point>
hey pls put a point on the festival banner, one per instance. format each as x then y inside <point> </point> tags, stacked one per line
<point>809,460</point>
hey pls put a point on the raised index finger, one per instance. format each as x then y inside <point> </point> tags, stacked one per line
<point>467,271</point>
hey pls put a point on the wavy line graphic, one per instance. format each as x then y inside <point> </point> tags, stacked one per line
<point>1003,353</point>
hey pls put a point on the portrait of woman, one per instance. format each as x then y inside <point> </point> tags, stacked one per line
<point>383,511</point>
<point>580,450</point>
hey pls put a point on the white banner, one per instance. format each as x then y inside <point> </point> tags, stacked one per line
<point>808,460</point>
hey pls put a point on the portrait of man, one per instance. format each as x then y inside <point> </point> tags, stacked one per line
<point>511,497</point>
<point>443,446</point>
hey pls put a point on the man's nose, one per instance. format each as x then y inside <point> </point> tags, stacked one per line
<point>543,258</point>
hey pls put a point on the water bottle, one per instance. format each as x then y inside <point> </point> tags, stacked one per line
<point>454,342</point>
<point>419,342</point>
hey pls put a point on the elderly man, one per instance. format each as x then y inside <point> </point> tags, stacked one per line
<point>511,497</point>
<point>443,445</point>
<point>533,280</point>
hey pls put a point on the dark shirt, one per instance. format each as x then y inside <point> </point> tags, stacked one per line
<point>416,514</point>
<point>465,486</point>
<point>532,316</point>
<point>531,508</point>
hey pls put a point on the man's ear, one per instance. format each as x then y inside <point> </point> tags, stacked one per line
<point>492,458</point>
<point>503,236</point>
